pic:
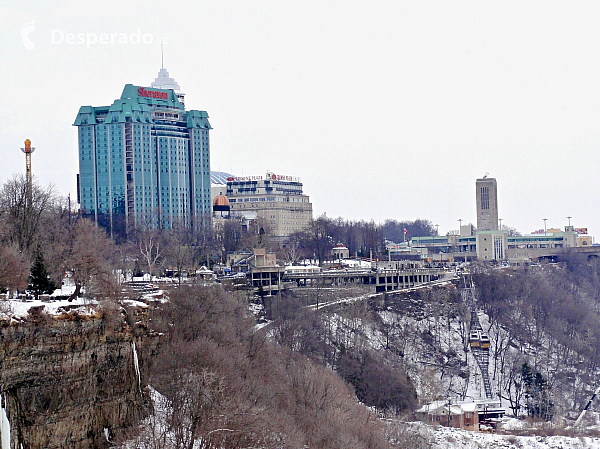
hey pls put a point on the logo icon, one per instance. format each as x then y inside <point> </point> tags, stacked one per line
<point>26,30</point>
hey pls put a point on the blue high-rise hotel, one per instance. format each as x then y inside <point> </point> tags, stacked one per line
<point>144,160</point>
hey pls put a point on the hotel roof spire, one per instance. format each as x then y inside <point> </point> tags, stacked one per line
<point>164,81</point>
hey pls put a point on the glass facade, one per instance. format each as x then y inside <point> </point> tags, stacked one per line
<point>144,160</point>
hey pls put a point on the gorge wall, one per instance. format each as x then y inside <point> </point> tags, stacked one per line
<point>65,378</point>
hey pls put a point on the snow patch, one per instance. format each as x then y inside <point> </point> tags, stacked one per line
<point>4,425</point>
<point>20,309</point>
<point>136,365</point>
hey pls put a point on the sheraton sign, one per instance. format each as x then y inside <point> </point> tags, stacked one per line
<point>143,92</point>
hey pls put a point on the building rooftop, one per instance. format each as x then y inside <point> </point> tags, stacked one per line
<point>219,177</point>
<point>221,200</point>
<point>163,81</point>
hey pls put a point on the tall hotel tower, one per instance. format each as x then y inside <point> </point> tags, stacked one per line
<point>144,160</point>
<point>487,204</point>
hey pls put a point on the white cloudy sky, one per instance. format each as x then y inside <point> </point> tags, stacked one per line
<point>384,109</point>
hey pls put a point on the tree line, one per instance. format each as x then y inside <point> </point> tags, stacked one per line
<point>362,238</point>
<point>41,240</point>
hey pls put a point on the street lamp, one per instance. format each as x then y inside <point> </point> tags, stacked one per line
<point>436,229</point>
<point>545,219</point>
<point>459,225</point>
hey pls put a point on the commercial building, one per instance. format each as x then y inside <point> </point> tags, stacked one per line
<point>144,160</point>
<point>278,200</point>
<point>489,242</point>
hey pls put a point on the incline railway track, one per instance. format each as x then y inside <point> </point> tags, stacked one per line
<point>479,341</point>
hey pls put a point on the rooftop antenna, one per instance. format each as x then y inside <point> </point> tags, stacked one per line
<point>162,57</point>
<point>486,175</point>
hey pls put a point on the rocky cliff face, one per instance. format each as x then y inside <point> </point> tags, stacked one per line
<point>66,378</point>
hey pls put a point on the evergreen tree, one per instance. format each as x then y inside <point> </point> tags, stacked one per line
<point>527,376</point>
<point>39,281</point>
<point>537,394</point>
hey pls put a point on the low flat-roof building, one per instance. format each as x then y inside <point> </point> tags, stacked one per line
<point>466,415</point>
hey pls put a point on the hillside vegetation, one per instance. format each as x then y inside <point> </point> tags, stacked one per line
<point>228,386</point>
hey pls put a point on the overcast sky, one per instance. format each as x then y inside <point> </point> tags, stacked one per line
<point>384,109</point>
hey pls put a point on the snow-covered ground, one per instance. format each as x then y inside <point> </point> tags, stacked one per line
<point>446,437</point>
<point>18,308</point>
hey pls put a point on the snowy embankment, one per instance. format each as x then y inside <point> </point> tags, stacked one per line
<point>18,309</point>
<point>445,437</point>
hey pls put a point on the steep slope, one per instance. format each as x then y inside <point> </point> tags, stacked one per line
<point>65,378</point>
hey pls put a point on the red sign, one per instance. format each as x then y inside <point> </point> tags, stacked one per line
<point>246,178</point>
<point>275,177</point>
<point>143,92</point>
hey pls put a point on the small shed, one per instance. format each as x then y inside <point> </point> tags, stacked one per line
<point>462,415</point>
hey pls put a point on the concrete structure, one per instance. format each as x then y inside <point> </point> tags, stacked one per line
<point>491,242</point>
<point>487,204</point>
<point>379,280</point>
<point>492,245</point>
<point>265,275</point>
<point>276,199</point>
<point>402,251</point>
<point>302,269</point>
<point>339,252</point>
<point>498,245</point>
<point>144,160</point>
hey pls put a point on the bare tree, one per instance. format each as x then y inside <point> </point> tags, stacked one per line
<point>21,210</point>
<point>150,244</point>
<point>194,401</point>
<point>13,269</point>
<point>178,249</point>
<point>88,256</point>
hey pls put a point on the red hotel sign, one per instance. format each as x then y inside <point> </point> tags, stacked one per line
<point>142,92</point>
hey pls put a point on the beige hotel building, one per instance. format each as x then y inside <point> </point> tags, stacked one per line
<point>277,199</point>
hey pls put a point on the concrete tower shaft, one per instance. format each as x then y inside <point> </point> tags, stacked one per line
<point>487,204</point>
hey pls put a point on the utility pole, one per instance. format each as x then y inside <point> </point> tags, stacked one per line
<point>69,198</point>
